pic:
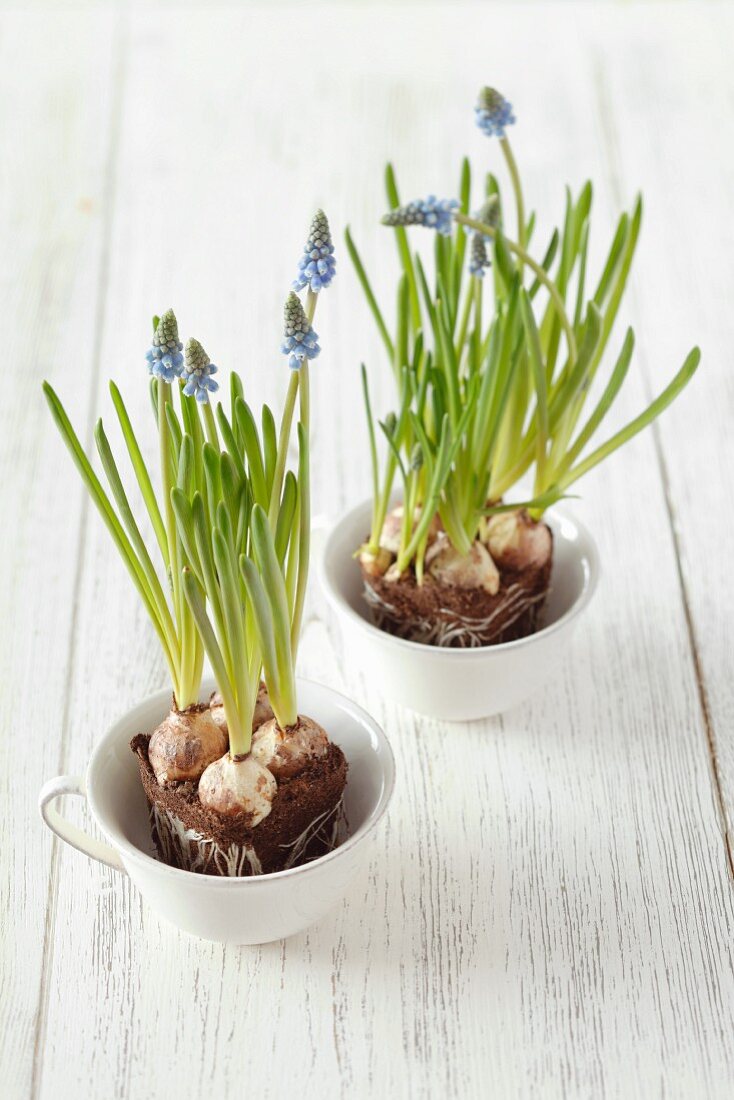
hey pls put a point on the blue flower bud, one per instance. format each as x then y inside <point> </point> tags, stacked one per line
<point>433,213</point>
<point>197,373</point>
<point>300,341</point>
<point>164,356</point>
<point>479,255</point>
<point>493,113</point>
<point>317,265</point>
<point>479,259</point>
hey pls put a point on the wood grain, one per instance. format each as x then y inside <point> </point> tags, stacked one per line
<point>54,115</point>
<point>548,910</point>
<point>685,266</point>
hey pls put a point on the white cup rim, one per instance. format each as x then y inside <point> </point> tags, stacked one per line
<point>342,606</point>
<point>136,855</point>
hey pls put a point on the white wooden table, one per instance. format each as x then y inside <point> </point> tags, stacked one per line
<point>549,910</point>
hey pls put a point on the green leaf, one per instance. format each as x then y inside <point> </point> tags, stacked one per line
<point>270,447</point>
<point>285,530</point>
<point>213,478</point>
<point>503,259</point>
<point>373,446</point>
<point>174,427</point>
<point>251,444</point>
<point>660,403</point>
<point>185,478</point>
<point>426,292</point>
<point>538,366</point>
<point>233,610</point>
<point>230,442</point>
<point>148,575</point>
<point>185,527</point>
<point>107,512</point>
<point>546,262</point>
<point>203,541</point>
<point>401,238</point>
<point>265,633</point>
<point>606,400</point>
<point>368,293</point>
<point>304,534</point>
<point>240,737</point>
<point>141,471</point>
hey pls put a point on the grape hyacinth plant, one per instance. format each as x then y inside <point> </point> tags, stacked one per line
<point>188,740</point>
<point>496,356</point>
<point>232,526</point>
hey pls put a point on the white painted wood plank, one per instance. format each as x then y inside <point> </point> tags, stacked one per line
<point>54,108</point>
<point>547,909</point>
<point>681,149</point>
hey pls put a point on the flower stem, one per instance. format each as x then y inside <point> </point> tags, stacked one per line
<point>304,535</point>
<point>210,425</point>
<point>538,271</point>
<point>283,440</point>
<point>180,690</point>
<point>517,188</point>
<point>464,322</point>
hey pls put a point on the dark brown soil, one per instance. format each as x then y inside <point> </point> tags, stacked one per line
<point>302,824</point>
<point>443,615</point>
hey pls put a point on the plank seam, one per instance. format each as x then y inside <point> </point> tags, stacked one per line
<point>610,146</point>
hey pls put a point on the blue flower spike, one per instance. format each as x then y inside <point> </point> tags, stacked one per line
<point>300,341</point>
<point>197,373</point>
<point>164,357</point>
<point>480,257</point>
<point>433,213</point>
<point>317,266</point>
<point>493,113</point>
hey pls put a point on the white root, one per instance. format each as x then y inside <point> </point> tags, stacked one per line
<point>189,849</point>
<point>233,786</point>
<point>286,752</point>
<point>182,847</point>
<point>454,630</point>
<point>325,828</point>
<point>184,744</point>
<point>473,570</point>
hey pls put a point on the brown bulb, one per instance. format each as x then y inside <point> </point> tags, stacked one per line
<point>184,744</point>
<point>517,542</point>
<point>287,752</point>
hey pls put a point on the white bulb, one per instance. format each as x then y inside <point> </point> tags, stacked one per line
<point>238,786</point>
<point>286,752</point>
<point>473,570</point>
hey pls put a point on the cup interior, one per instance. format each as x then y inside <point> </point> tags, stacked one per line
<point>118,802</point>
<point>575,568</point>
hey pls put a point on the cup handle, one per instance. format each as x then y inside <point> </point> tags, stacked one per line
<point>95,849</point>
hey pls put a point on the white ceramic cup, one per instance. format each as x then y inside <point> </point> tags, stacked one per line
<point>458,684</point>
<point>230,910</point>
